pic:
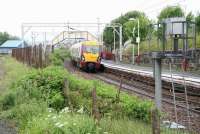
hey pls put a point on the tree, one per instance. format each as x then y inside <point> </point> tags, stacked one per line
<point>190,17</point>
<point>171,11</point>
<point>127,27</point>
<point>4,36</point>
<point>108,37</point>
<point>197,20</point>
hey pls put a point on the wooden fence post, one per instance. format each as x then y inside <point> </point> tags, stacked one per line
<point>119,90</point>
<point>155,121</point>
<point>40,56</point>
<point>34,56</point>
<point>66,91</point>
<point>52,49</point>
<point>95,112</point>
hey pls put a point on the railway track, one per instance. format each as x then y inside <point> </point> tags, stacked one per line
<point>146,84</point>
<point>144,87</point>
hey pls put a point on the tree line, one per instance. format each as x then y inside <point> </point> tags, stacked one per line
<point>4,36</point>
<point>128,24</point>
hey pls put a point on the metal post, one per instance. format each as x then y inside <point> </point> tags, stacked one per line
<point>45,38</point>
<point>158,82</point>
<point>175,44</point>
<point>32,38</point>
<point>133,60</point>
<point>98,23</point>
<point>22,35</point>
<point>138,37</point>
<point>114,39</point>
<point>133,54</point>
<point>120,43</point>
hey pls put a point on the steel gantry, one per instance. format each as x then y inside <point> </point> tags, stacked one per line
<point>72,27</point>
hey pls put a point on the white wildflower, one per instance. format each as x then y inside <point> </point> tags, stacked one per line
<point>54,117</point>
<point>80,110</point>
<point>61,125</point>
<point>65,110</point>
<point>50,110</point>
<point>57,124</point>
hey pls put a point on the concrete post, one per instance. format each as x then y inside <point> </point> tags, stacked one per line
<point>158,82</point>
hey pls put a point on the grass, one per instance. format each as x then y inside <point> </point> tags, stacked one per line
<point>77,123</point>
<point>12,71</point>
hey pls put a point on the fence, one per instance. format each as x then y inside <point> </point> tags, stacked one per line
<point>192,64</point>
<point>35,56</point>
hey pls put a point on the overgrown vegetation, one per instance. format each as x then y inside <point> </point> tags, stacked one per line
<point>36,95</point>
<point>57,58</point>
<point>35,101</point>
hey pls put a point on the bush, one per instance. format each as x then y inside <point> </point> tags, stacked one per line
<point>129,106</point>
<point>46,85</point>
<point>29,98</point>
<point>57,58</point>
<point>57,101</point>
<point>8,101</point>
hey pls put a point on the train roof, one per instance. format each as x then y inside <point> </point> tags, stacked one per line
<point>90,43</point>
<point>93,43</point>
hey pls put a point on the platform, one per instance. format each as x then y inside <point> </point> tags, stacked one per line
<point>190,79</point>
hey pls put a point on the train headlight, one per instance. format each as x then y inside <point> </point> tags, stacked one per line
<point>99,59</point>
<point>82,58</point>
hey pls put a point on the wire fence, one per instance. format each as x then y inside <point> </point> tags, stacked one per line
<point>36,56</point>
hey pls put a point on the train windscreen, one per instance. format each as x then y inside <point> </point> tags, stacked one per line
<point>91,49</point>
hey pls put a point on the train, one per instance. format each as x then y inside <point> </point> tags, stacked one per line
<point>86,55</point>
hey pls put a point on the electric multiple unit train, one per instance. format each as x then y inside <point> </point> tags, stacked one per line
<point>87,55</point>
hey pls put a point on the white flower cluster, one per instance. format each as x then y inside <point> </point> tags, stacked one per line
<point>65,110</point>
<point>81,111</point>
<point>58,124</point>
<point>50,110</point>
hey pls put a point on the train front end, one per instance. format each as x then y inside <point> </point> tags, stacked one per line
<point>90,56</point>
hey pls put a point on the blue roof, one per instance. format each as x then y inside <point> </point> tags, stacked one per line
<point>12,43</point>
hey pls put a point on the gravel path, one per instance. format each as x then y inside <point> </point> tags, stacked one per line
<point>1,69</point>
<point>6,127</point>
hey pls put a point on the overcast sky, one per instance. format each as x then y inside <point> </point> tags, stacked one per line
<point>14,12</point>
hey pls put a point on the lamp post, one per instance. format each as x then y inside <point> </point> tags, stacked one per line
<point>138,37</point>
<point>133,54</point>
<point>133,48</point>
<point>119,33</point>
